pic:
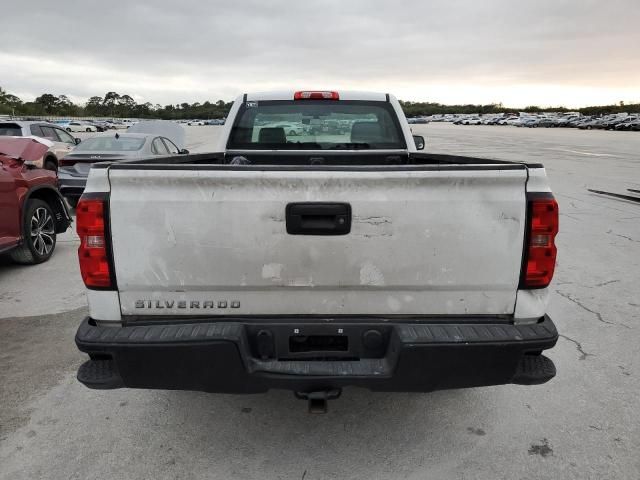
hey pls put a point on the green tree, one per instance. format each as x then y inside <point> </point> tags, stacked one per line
<point>12,100</point>
<point>126,106</point>
<point>110,102</point>
<point>9,103</point>
<point>48,103</point>
<point>94,106</point>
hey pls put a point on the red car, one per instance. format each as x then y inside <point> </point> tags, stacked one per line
<point>32,211</point>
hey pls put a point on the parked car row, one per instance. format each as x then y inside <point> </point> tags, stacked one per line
<point>611,122</point>
<point>296,128</point>
<point>200,123</point>
<point>585,123</point>
<point>468,121</point>
<point>94,125</point>
<point>414,120</point>
<point>632,123</point>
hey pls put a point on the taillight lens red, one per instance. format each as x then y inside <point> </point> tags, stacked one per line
<point>92,252</point>
<point>540,251</point>
<point>316,95</point>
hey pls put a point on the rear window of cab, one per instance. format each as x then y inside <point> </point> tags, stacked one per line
<point>316,125</point>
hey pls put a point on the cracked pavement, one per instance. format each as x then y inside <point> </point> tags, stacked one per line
<point>585,424</point>
<point>581,305</point>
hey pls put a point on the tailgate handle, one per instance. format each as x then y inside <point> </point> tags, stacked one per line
<point>318,218</point>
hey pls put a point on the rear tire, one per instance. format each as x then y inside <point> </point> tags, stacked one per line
<point>89,130</point>
<point>38,230</point>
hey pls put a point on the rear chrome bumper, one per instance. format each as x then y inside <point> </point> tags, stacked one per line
<point>246,357</point>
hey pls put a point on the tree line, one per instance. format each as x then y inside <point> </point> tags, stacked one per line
<point>124,106</point>
<point>112,105</point>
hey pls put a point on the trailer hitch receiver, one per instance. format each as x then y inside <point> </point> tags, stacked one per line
<point>318,400</point>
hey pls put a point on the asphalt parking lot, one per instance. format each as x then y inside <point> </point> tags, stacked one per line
<point>584,424</point>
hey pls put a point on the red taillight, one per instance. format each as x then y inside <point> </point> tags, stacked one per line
<point>92,252</point>
<point>316,95</point>
<point>540,251</point>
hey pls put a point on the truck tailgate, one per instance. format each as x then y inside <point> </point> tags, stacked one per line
<point>212,241</point>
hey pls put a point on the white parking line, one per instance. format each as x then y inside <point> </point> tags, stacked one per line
<point>590,154</point>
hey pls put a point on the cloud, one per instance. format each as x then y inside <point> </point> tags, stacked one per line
<point>454,51</point>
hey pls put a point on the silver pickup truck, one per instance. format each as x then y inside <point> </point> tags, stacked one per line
<point>318,248</point>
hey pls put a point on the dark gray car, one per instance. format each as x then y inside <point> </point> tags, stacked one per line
<point>74,168</point>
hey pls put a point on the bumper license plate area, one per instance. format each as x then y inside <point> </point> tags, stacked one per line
<point>318,343</point>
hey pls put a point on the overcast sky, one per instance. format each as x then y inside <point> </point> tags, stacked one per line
<point>543,52</point>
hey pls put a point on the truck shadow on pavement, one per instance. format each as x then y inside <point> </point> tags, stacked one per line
<point>375,432</point>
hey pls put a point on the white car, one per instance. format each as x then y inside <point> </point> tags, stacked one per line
<point>472,121</point>
<point>198,123</point>
<point>60,143</point>
<point>80,127</point>
<point>292,129</point>
<point>118,125</point>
